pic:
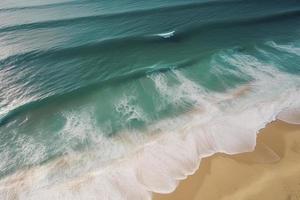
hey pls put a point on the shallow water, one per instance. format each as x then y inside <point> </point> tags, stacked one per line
<point>118,99</point>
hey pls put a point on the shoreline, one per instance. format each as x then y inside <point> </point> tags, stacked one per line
<point>220,176</point>
<point>271,171</point>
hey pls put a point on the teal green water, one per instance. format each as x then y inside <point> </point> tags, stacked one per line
<point>72,72</point>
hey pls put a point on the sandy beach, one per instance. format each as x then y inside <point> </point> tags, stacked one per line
<point>270,172</point>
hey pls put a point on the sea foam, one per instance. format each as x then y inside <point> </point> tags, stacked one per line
<point>172,148</point>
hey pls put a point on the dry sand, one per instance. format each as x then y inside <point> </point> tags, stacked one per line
<point>271,172</point>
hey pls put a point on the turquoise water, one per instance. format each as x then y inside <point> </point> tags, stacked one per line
<point>94,82</point>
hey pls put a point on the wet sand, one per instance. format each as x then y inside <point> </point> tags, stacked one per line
<point>270,172</point>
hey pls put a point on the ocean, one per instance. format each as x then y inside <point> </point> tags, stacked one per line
<point>118,99</point>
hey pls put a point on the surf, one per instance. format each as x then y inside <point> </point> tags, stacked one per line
<point>123,102</point>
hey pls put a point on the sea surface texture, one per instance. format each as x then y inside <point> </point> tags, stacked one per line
<point>116,99</point>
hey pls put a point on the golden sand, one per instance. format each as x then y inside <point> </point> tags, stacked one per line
<point>270,172</point>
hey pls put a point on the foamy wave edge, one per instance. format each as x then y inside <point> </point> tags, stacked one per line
<point>160,164</point>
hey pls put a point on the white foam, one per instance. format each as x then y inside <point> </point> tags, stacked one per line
<point>290,115</point>
<point>127,108</point>
<point>182,92</point>
<point>166,35</point>
<point>289,48</point>
<point>172,148</point>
